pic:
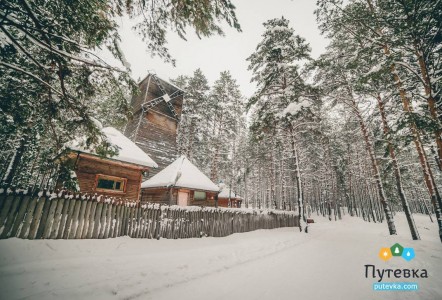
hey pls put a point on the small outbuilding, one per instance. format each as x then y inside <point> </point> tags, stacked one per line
<point>227,198</point>
<point>118,176</point>
<point>180,183</point>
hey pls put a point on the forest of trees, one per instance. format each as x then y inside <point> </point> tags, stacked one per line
<point>356,130</point>
<point>359,127</point>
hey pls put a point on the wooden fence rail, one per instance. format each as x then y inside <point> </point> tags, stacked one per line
<point>47,215</point>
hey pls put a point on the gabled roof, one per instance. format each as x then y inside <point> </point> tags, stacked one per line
<point>163,81</point>
<point>128,151</point>
<point>181,173</point>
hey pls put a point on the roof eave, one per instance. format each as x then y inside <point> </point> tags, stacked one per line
<point>113,159</point>
<point>179,187</point>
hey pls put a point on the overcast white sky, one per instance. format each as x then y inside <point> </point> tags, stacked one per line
<point>216,53</point>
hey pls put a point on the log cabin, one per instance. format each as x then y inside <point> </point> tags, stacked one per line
<point>156,114</point>
<point>118,176</point>
<point>181,183</point>
<point>227,198</point>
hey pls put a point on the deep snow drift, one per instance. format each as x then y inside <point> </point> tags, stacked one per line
<point>327,263</point>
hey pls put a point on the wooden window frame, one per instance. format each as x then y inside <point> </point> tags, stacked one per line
<point>113,178</point>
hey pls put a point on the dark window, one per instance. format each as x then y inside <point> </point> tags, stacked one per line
<point>110,183</point>
<point>105,184</point>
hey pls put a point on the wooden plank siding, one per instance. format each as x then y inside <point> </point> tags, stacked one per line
<point>224,202</point>
<point>87,168</point>
<point>157,140</point>
<point>155,131</point>
<point>162,196</point>
<point>210,199</point>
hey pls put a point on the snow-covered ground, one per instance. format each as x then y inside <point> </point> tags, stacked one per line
<point>327,263</point>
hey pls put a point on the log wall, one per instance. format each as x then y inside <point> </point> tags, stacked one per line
<point>87,169</point>
<point>224,202</point>
<point>161,196</point>
<point>47,215</point>
<point>158,141</point>
<point>155,131</point>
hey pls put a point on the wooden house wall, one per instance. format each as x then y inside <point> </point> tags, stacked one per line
<point>87,169</point>
<point>224,202</point>
<point>210,200</point>
<point>157,128</point>
<point>131,126</point>
<point>156,136</point>
<point>160,120</point>
<point>161,196</point>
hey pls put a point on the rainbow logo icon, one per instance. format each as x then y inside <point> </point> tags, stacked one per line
<point>397,250</point>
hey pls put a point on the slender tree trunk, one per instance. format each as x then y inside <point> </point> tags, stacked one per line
<point>217,141</point>
<point>214,171</point>
<point>302,219</point>
<point>272,172</point>
<point>259,187</point>
<point>374,164</point>
<point>283,185</point>
<point>190,140</point>
<point>246,194</point>
<point>350,184</point>
<point>431,103</point>
<point>397,172</point>
<point>15,161</point>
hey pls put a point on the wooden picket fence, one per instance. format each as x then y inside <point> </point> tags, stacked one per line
<point>48,215</point>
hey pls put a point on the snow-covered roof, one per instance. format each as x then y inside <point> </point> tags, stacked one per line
<point>225,193</point>
<point>181,173</point>
<point>128,151</point>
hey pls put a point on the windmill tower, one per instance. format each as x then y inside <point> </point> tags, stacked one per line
<point>156,114</point>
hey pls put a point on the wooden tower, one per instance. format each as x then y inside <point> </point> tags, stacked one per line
<point>156,114</point>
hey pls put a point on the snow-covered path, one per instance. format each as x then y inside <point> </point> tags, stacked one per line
<point>267,264</point>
